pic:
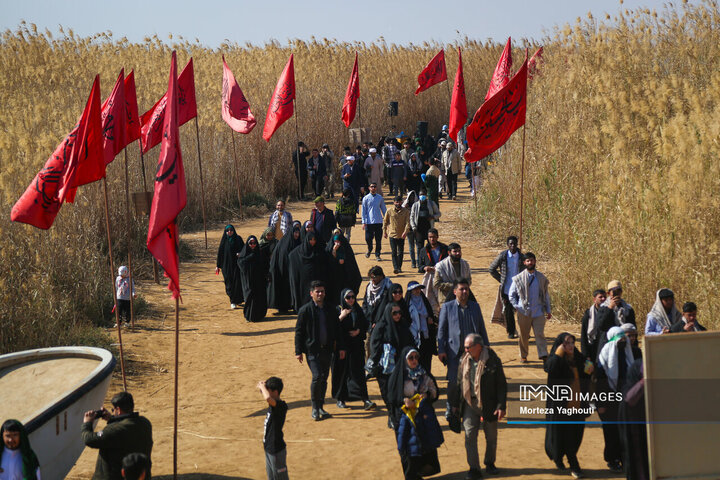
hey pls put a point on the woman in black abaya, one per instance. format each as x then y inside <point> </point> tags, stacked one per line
<point>230,247</point>
<point>268,242</point>
<point>346,273</point>
<point>278,289</point>
<point>566,366</point>
<point>308,262</point>
<point>254,273</point>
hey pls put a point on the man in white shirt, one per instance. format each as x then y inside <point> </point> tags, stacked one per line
<point>374,167</point>
<point>373,213</point>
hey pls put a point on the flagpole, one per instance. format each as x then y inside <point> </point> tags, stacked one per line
<point>522,176</point>
<point>130,237</point>
<point>297,142</point>
<point>112,281</point>
<point>175,410</point>
<point>202,184</point>
<point>237,169</point>
<point>156,274</point>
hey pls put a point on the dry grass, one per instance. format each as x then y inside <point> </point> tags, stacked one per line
<point>623,178</point>
<point>55,280</point>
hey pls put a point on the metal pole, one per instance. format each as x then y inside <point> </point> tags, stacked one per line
<point>297,159</point>
<point>522,189</point>
<point>112,281</point>
<point>130,238</point>
<point>175,407</point>
<point>202,184</point>
<point>237,169</point>
<point>156,274</point>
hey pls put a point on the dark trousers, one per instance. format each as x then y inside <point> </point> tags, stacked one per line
<point>382,380</point>
<point>611,433</point>
<point>452,183</point>
<point>319,364</point>
<point>123,310</point>
<point>373,231</point>
<point>509,312</point>
<point>397,247</point>
<point>318,185</point>
<point>420,240</point>
<point>411,243</point>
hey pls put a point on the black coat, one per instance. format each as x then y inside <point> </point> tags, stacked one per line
<point>328,223</point>
<point>606,319</point>
<point>498,268</point>
<point>589,348</point>
<point>278,290</point>
<point>347,274</point>
<point>493,388</point>
<point>425,258</point>
<point>307,336</point>
<point>375,312</point>
<point>254,274</point>
<point>227,263</point>
<point>678,326</point>
<point>396,334</point>
<point>306,264</point>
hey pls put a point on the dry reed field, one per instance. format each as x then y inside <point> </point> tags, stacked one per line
<point>622,172</point>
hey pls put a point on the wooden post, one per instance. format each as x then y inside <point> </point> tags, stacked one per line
<point>237,169</point>
<point>522,189</point>
<point>130,238</point>
<point>156,273</point>
<point>202,184</point>
<point>175,408</point>
<point>112,282</point>
<point>297,149</point>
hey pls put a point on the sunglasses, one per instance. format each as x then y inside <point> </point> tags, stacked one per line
<point>396,312</point>
<point>397,293</point>
<point>349,297</point>
<point>413,357</point>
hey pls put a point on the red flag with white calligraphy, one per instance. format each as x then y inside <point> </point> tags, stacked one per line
<point>170,192</point>
<point>498,117</point>
<point>281,102</point>
<point>235,107</point>
<point>351,95</point>
<point>458,104</point>
<point>151,122</point>
<point>501,75</point>
<point>114,120</point>
<point>41,202</point>
<point>435,72</point>
<point>132,130</point>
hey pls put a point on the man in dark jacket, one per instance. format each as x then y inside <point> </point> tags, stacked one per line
<point>429,255</point>
<point>317,335</point>
<point>323,220</point>
<point>480,375</point>
<point>506,265</point>
<point>299,160</point>
<point>318,171</point>
<point>590,326</point>
<point>126,432</point>
<point>689,322</point>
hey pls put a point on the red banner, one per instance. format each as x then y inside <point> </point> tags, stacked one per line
<point>435,72</point>
<point>351,95</point>
<point>534,64</point>
<point>170,192</point>
<point>281,102</point>
<point>152,121</point>
<point>132,131</point>
<point>41,202</point>
<point>498,117</point>
<point>235,108</point>
<point>501,75</point>
<point>458,104</point>
<point>114,120</point>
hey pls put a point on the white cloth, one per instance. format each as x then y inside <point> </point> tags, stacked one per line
<point>376,169</point>
<point>11,467</point>
<point>608,357</point>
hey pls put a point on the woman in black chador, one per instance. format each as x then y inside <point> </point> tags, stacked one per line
<point>268,242</point>
<point>348,374</point>
<point>278,290</point>
<point>308,262</point>
<point>254,273</point>
<point>344,266</point>
<point>230,247</point>
<point>566,366</point>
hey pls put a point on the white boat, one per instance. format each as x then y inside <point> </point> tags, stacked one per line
<point>49,390</point>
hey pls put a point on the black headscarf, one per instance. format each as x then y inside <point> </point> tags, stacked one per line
<point>279,258</point>
<point>401,373</point>
<point>348,274</point>
<point>307,251</point>
<point>303,230</point>
<point>29,459</point>
<point>559,368</point>
<point>230,246</point>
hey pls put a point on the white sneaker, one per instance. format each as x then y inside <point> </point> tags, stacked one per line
<point>233,306</point>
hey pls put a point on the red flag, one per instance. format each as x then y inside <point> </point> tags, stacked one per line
<point>170,194</point>
<point>433,73</point>
<point>351,96</point>
<point>534,63</point>
<point>132,131</point>
<point>235,108</point>
<point>151,122</point>
<point>458,104</point>
<point>114,120</point>
<point>281,102</point>
<point>501,75</point>
<point>41,202</point>
<point>498,117</point>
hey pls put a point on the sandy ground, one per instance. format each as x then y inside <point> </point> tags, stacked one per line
<point>222,357</point>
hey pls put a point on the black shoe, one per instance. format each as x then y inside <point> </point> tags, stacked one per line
<point>414,265</point>
<point>577,473</point>
<point>341,404</point>
<point>560,465</point>
<point>473,474</point>
<point>367,255</point>
<point>512,335</point>
<point>391,425</point>
<point>370,405</point>
<point>323,414</point>
<point>315,415</point>
<point>615,466</point>
<point>491,469</point>
<point>377,258</point>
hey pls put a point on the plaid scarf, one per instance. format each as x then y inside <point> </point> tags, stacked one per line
<point>285,221</point>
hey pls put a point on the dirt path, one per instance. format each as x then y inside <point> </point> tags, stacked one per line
<point>222,357</point>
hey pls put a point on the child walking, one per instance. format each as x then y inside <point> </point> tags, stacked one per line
<point>123,292</point>
<point>275,451</point>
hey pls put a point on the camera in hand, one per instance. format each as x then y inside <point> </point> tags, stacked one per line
<point>99,413</point>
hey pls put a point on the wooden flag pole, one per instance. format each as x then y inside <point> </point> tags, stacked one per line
<point>297,149</point>
<point>237,169</point>
<point>202,184</point>
<point>156,273</point>
<point>175,408</point>
<point>112,281</point>
<point>130,238</point>
<point>522,189</point>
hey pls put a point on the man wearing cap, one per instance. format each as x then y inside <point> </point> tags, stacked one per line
<point>529,295</point>
<point>614,312</point>
<point>688,322</point>
<point>374,168</point>
<point>451,162</point>
<point>299,160</point>
<point>444,133</point>
<point>373,212</point>
<point>323,220</point>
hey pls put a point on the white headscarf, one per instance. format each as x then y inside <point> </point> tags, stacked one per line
<point>660,315</point>
<point>608,357</point>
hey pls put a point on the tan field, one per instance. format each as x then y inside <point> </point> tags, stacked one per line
<point>222,357</point>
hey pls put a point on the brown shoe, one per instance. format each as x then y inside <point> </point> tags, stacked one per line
<point>523,360</point>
